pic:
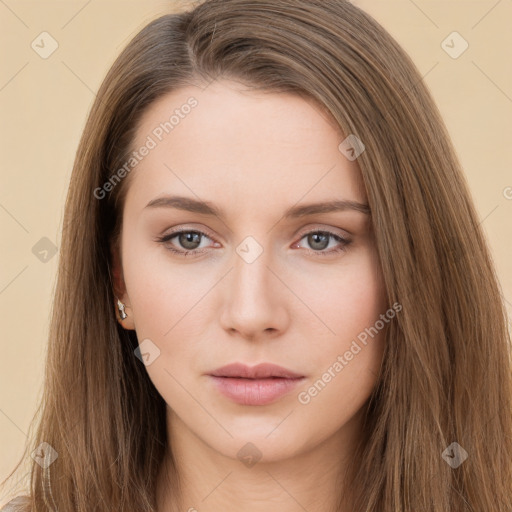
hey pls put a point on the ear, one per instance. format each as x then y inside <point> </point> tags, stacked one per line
<point>120,289</point>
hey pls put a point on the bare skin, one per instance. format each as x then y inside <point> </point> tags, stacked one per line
<point>252,155</point>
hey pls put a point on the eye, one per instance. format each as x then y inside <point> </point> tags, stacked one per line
<point>189,240</point>
<point>319,241</point>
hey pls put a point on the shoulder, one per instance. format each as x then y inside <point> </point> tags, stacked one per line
<point>18,504</point>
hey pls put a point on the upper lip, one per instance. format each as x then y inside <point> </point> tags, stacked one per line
<point>260,371</point>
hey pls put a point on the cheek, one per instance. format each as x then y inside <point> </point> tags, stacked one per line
<point>348,361</point>
<point>348,357</point>
<point>168,310</point>
<point>351,299</point>
<point>161,290</point>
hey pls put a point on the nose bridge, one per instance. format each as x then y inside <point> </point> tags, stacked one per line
<point>251,279</point>
<point>253,304</point>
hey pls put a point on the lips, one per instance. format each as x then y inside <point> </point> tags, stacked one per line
<point>261,371</point>
<point>257,385</point>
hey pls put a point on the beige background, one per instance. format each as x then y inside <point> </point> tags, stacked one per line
<point>43,107</point>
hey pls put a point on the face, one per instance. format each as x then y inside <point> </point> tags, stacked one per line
<point>252,276</point>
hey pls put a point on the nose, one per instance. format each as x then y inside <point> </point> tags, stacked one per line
<point>254,306</point>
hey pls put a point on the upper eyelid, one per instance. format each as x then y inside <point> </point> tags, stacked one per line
<point>330,231</point>
<point>318,228</point>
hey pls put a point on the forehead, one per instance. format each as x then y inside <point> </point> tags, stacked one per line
<point>252,146</point>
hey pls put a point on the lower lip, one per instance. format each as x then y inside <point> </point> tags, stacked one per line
<point>255,391</point>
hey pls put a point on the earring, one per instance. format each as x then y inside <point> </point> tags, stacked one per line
<point>120,307</point>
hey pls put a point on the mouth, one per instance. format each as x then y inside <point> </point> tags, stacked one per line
<point>260,371</point>
<point>259,385</point>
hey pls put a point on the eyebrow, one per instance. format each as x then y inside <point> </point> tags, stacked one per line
<point>206,208</point>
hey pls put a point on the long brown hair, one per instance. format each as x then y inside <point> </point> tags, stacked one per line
<point>446,372</point>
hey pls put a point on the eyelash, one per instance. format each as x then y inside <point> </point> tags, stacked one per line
<point>167,238</point>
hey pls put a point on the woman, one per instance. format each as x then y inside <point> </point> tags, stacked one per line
<point>273,290</point>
